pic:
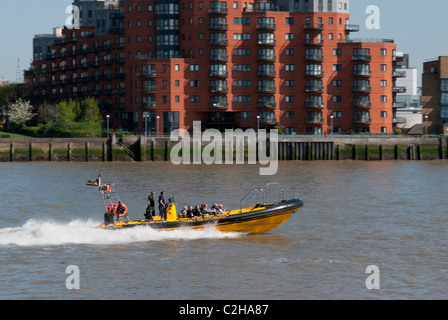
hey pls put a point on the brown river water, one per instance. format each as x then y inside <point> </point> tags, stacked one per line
<point>392,215</point>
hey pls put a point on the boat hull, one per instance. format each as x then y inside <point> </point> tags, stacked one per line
<point>255,220</point>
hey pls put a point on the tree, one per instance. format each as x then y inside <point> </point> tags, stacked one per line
<point>20,112</point>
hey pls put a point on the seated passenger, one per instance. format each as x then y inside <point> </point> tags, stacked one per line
<point>183,213</point>
<point>219,209</point>
<point>197,211</point>
<point>190,212</point>
<point>206,210</point>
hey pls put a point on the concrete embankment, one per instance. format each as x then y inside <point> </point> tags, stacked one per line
<point>137,148</point>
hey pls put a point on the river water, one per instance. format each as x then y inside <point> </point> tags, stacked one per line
<point>392,215</point>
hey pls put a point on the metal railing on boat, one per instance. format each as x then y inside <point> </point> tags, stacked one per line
<point>262,195</point>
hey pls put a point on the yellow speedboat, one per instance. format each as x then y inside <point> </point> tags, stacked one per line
<point>261,217</point>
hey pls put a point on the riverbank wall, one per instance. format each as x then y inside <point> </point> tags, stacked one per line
<point>139,148</point>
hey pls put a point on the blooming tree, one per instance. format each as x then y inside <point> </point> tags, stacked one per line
<point>20,112</point>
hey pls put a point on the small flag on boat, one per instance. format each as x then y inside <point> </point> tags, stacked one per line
<point>95,182</point>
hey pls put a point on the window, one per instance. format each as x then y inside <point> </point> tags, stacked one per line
<point>337,114</point>
<point>289,83</point>
<point>383,52</point>
<point>241,36</point>
<point>337,67</point>
<point>383,83</point>
<point>194,99</point>
<point>330,36</point>
<point>244,115</point>
<point>384,114</point>
<point>242,52</point>
<point>176,67</point>
<point>241,20</point>
<point>289,36</point>
<point>241,67</point>
<point>176,83</point>
<point>383,129</point>
<point>337,99</point>
<point>337,52</point>
<point>289,99</point>
<point>337,83</point>
<point>289,67</point>
<point>383,98</point>
<point>289,52</point>
<point>290,114</point>
<point>289,20</point>
<point>194,67</point>
<point>194,83</point>
<point>176,99</point>
<point>384,67</point>
<point>242,99</point>
<point>241,83</point>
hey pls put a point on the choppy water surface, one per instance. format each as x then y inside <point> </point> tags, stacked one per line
<point>390,214</point>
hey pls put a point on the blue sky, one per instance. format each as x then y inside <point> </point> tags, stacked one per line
<point>418,27</point>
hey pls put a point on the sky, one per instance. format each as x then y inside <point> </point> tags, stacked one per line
<point>417,27</point>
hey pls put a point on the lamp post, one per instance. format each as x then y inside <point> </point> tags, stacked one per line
<point>145,116</point>
<point>108,117</point>
<point>331,119</point>
<point>157,126</point>
<point>258,124</point>
<point>426,124</point>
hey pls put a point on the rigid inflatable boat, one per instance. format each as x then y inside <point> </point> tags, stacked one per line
<point>261,217</point>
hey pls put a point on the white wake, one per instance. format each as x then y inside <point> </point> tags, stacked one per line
<point>51,233</point>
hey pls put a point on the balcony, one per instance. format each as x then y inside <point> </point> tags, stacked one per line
<point>219,73</point>
<point>219,42</point>
<point>266,57</point>
<point>219,105</point>
<point>266,73</point>
<point>399,74</point>
<point>266,42</point>
<point>218,26</point>
<point>219,89</point>
<point>218,57</point>
<point>314,120</point>
<point>352,27</point>
<point>314,73</point>
<point>314,57</point>
<point>149,105</point>
<point>267,120</point>
<point>314,26</point>
<point>362,57</point>
<point>218,10</point>
<point>362,104</point>
<point>361,120</point>
<point>266,104</point>
<point>362,73</point>
<point>266,26</point>
<point>314,104</point>
<point>399,120</point>
<point>399,89</point>
<point>314,88</point>
<point>314,43</point>
<point>148,73</point>
<point>266,89</point>
<point>149,89</point>
<point>361,89</point>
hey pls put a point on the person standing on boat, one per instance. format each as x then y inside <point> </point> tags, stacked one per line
<point>150,209</point>
<point>162,204</point>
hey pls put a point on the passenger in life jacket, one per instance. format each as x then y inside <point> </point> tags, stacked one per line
<point>121,210</point>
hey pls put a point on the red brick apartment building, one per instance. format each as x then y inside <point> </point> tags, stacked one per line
<point>233,63</point>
